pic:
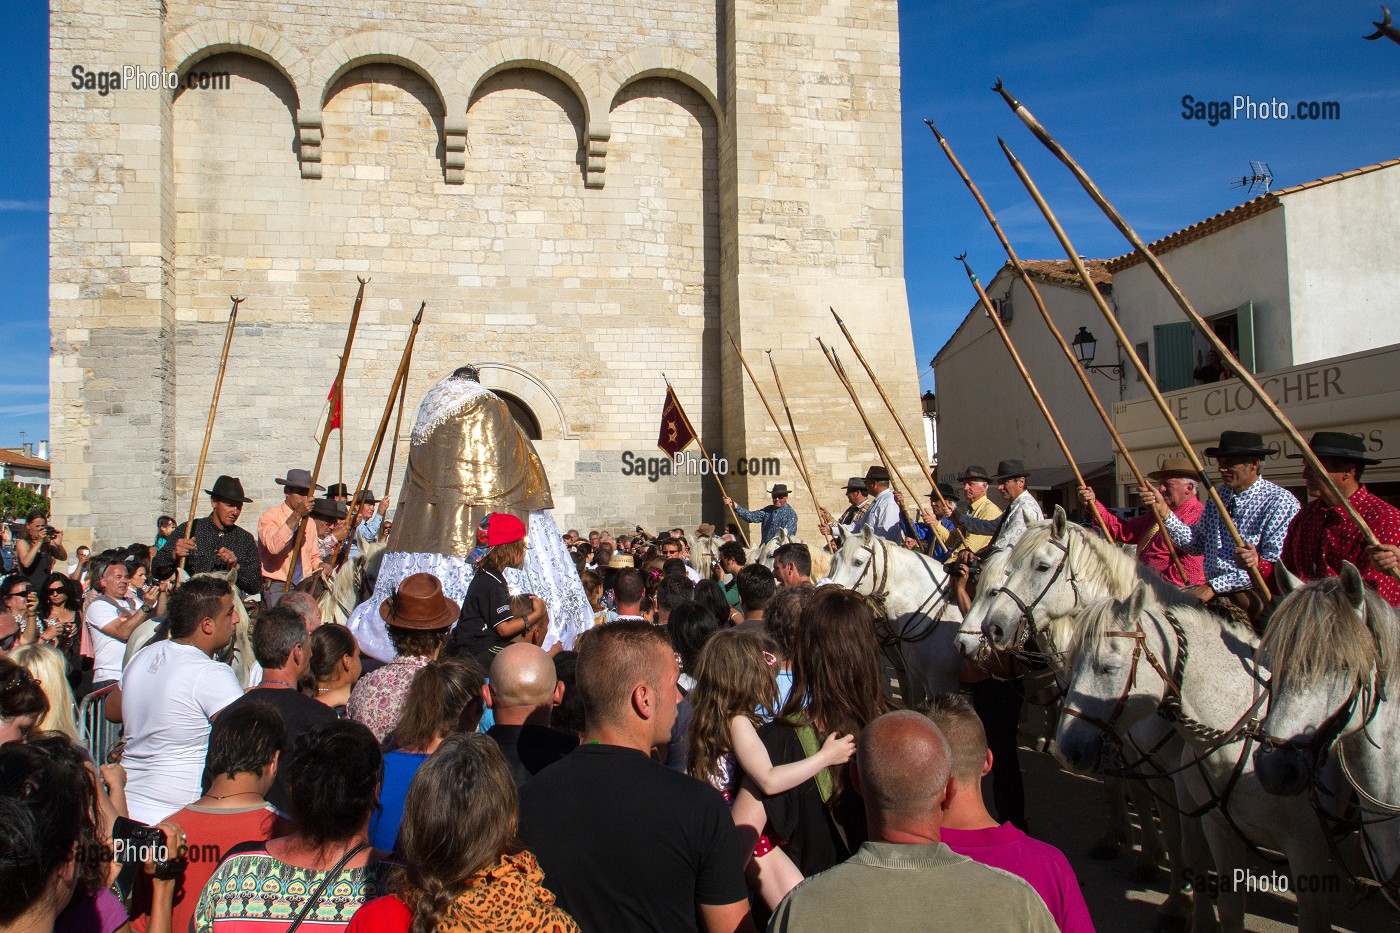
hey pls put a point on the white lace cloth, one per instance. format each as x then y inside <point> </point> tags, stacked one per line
<point>549,573</point>
<point>444,401</point>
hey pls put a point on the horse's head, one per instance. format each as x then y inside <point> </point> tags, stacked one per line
<point>1327,647</point>
<point>853,566</point>
<point>1112,683</point>
<point>1038,585</point>
<point>971,642</point>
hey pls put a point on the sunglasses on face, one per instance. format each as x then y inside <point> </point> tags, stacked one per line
<point>17,594</point>
<point>56,591</point>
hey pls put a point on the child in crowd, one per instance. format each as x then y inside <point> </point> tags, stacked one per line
<point>735,683</point>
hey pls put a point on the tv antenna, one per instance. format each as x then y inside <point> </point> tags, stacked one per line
<point>1259,177</point>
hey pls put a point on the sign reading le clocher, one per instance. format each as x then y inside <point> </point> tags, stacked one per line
<point>1359,393</point>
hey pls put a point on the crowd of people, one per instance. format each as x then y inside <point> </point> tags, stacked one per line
<point>720,748</point>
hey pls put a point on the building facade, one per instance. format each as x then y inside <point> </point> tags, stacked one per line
<point>589,198</point>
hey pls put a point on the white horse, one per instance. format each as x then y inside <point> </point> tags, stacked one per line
<point>922,616</point>
<point>1132,660</point>
<point>351,585</point>
<point>763,554</point>
<point>1333,648</point>
<point>1038,589</point>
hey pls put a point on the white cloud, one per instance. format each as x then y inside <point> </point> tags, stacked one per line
<point>36,206</point>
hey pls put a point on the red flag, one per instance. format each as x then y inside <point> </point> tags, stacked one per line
<point>676,432</point>
<point>336,397</point>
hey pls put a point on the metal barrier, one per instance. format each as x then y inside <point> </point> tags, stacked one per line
<point>94,731</point>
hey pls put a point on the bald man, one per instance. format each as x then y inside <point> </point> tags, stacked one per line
<point>522,694</point>
<point>905,874</point>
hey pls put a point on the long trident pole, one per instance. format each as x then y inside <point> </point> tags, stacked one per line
<point>792,428</point>
<point>1141,368</point>
<point>918,457</point>
<point>209,425</point>
<point>398,424</point>
<point>326,435</point>
<point>880,451</point>
<point>1182,302</point>
<point>1059,339</point>
<point>400,376</point>
<point>797,462</point>
<point>1030,384</point>
<point>713,472</point>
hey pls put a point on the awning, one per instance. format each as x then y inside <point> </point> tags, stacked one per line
<point>1050,477</point>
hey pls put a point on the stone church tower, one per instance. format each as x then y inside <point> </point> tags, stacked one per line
<point>587,196</point>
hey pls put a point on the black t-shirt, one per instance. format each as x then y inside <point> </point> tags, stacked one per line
<point>530,749</point>
<point>628,845</point>
<point>299,713</point>
<point>798,821</point>
<point>486,605</point>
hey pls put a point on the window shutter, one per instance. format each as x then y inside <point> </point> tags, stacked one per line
<point>1244,331</point>
<point>1175,363</point>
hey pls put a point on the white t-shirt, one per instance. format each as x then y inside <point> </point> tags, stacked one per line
<point>170,692</point>
<point>107,652</point>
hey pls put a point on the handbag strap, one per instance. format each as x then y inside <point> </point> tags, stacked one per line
<point>808,737</point>
<point>321,888</point>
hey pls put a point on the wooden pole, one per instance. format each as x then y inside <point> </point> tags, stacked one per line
<point>880,451</point>
<point>1030,384</point>
<point>400,376</point>
<point>1059,339</point>
<point>209,425</point>
<point>398,424</point>
<point>792,428</point>
<point>801,467</point>
<point>325,436</point>
<point>1137,362</point>
<point>1182,302</point>
<point>913,448</point>
<point>713,472</point>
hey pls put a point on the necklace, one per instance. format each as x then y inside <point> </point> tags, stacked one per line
<point>242,793</point>
<point>280,683</point>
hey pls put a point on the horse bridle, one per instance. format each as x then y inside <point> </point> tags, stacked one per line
<point>1025,625</point>
<point>880,592</point>
<point>1140,650</point>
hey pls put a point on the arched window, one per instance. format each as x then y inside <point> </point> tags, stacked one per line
<point>522,414</point>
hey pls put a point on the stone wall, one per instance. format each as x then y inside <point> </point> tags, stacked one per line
<point>585,198</point>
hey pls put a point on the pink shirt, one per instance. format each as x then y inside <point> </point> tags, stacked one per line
<point>1152,544</point>
<point>275,544</point>
<point>1041,864</point>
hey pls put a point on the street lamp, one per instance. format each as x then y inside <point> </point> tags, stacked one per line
<point>1084,346</point>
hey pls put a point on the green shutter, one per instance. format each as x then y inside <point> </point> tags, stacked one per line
<point>1175,363</point>
<point>1244,331</point>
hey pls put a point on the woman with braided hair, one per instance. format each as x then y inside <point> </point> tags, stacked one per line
<point>464,873</point>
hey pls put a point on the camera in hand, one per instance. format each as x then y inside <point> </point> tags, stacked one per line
<point>134,843</point>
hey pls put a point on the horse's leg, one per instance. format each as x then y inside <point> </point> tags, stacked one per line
<point>1119,832</point>
<point>1148,864</point>
<point>1314,874</point>
<point>1230,857</point>
<point>1197,864</point>
<point>1173,913</point>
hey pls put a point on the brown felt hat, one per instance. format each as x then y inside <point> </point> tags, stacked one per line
<point>1174,466</point>
<point>419,604</point>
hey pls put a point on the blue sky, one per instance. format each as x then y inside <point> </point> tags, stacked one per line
<point>1106,78</point>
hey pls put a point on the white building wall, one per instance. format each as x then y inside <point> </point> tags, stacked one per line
<point>1218,273</point>
<point>1344,279</point>
<point>985,411</point>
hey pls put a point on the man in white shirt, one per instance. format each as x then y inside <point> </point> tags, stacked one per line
<point>168,697</point>
<point>882,515</point>
<point>111,621</point>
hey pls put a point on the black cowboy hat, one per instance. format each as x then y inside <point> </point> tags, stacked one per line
<point>367,497</point>
<point>1337,444</point>
<point>856,482</point>
<point>338,491</point>
<point>974,472</point>
<point>877,474</point>
<point>297,479</point>
<point>1008,469</point>
<point>948,492</point>
<point>1239,444</point>
<point>778,491</point>
<point>228,488</point>
<point>328,509</point>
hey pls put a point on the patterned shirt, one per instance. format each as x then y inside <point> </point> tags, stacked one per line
<point>208,538</point>
<point>1261,513</point>
<point>1144,532</point>
<point>377,698</point>
<point>1322,536</point>
<point>252,892</point>
<point>772,518</point>
<point>1009,528</point>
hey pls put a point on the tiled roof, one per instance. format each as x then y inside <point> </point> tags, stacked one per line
<point>1061,271</point>
<point>19,459</point>
<point>1238,214</point>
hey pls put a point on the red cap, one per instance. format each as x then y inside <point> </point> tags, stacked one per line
<point>499,528</point>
